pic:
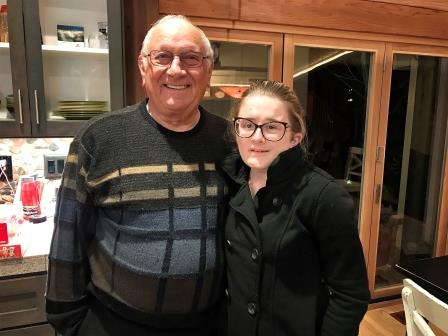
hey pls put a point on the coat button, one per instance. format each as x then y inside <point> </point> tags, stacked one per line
<point>254,255</point>
<point>251,308</point>
<point>276,201</point>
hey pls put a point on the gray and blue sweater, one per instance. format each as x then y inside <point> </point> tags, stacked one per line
<point>138,220</point>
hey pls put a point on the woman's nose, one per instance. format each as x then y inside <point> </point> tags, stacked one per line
<point>258,135</point>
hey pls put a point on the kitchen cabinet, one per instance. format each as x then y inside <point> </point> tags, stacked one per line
<point>22,303</point>
<point>49,88</point>
<point>239,58</point>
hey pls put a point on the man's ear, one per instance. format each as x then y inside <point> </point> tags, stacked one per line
<point>142,66</point>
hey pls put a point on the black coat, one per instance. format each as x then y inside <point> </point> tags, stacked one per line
<point>295,262</point>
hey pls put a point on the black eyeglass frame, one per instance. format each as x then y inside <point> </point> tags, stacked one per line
<point>235,120</point>
<point>152,54</point>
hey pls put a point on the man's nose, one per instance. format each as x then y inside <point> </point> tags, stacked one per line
<point>175,66</point>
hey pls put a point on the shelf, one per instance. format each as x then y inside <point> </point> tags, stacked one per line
<point>4,45</point>
<point>65,50</point>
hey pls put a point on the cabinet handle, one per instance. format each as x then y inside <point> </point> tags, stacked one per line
<point>36,102</point>
<point>19,94</point>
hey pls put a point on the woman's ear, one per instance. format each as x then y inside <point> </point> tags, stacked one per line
<point>296,139</point>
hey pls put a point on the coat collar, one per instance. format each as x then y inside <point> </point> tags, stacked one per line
<point>283,168</point>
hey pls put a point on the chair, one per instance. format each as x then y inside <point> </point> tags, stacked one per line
<point>354,164</point>
<point>420,306</point>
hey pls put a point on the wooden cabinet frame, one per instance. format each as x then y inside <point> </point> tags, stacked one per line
<point>274,40</point>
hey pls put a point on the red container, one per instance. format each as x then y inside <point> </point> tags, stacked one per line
<point>3,233</point>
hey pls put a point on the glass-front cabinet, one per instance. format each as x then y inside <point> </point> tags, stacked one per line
<point>69,66</point>
<point>239,59</point>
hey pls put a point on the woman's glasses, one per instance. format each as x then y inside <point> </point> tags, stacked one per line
<point>271,131</point>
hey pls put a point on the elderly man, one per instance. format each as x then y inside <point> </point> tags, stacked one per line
<point>137,246</point>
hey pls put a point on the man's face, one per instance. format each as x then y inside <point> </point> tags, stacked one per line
<point>175,89</point>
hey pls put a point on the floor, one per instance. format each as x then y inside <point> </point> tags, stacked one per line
<point>386,319</point>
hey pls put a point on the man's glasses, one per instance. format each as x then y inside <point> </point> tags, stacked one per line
<point>189,59</point>
<point>271,131</point>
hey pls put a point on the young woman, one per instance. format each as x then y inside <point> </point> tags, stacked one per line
<point>295,262</point>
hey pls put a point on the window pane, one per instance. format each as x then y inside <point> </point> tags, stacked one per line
<point>236,65</point>
<point>333,87</point>
<point>415,149</point>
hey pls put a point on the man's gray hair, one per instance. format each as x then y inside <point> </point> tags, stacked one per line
<point>205,40</point>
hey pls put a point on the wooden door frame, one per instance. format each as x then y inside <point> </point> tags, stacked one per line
<point>441,243</point>
<point>372,119</point>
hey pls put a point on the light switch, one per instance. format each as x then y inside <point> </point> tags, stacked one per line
<point>53,165</point>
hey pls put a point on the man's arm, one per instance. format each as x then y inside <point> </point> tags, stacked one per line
<point>343,264</point>
<point>68,273</point>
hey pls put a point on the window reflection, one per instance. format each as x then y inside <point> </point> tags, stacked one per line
<point>415,149</point>
<point>333,85</point>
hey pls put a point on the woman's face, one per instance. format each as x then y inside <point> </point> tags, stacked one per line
<point>257,152</point>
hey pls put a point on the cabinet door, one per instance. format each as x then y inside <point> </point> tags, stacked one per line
<point>14,111</point>
<point>240,57</point>
<point>38,330</point>
<point>74,62</point>
<point>22,301</point>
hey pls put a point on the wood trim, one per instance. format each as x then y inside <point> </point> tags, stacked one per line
<point>442,236</point>
<point>350,15</point>
<point>379,169</point>
<point>292,29</point>
<point>429,4</point>
<point>229,9</point>
<point>386,291</point>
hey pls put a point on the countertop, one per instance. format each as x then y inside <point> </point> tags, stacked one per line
<point>35,242</point>
<point>34,239</point>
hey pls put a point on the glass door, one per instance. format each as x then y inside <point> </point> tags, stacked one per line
<point>412,140</point>
<point>339,86</point>
<point>71,79</point>
<point>239,58</point>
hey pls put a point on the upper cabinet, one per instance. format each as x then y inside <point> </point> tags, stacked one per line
<point>240,57</point>
<point>56,68</point>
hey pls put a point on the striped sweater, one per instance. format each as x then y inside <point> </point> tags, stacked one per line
<point>138,219</point>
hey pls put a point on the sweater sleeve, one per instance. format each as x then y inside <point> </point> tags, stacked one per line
<point>68,273</point>
<point>342,260</point>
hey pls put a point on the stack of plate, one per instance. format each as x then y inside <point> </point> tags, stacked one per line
<point>80,109</point>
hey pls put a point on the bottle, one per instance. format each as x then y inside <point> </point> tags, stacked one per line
<point>4,36</point>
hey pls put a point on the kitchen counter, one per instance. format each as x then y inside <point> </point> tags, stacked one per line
<point>35,242</point>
